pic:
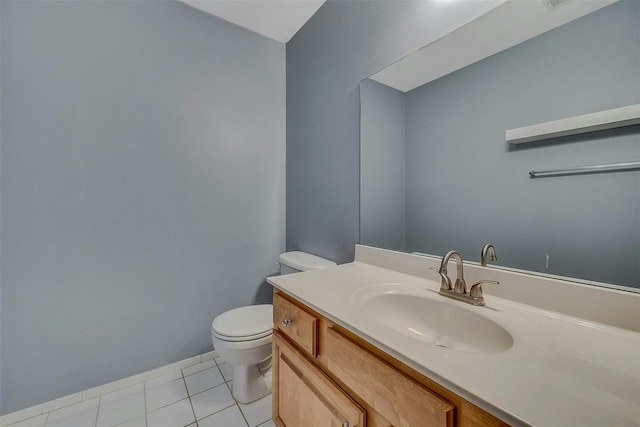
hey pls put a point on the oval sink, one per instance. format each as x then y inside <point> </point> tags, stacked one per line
<point>436,322</point>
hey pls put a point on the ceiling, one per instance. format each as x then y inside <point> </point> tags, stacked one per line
<point>473,29</point>
<point>276,19</point>
<point>509,22</point>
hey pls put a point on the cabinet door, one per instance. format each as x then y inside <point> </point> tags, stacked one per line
<point>304,396</point>
<point>398,398</point>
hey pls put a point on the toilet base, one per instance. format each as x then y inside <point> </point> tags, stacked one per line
<point>249,384</point>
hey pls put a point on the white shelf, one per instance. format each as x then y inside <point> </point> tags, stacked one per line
<point>608,119</point>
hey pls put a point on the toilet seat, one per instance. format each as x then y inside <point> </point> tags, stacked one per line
<point>241,339</point>
<point>244,323</point>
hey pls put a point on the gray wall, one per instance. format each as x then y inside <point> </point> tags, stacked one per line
<point>344,42</point>
<point>383,166</point>
<point>467,187</point>
<point>143,155</point>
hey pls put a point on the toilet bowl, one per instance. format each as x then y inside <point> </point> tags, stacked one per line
<point>242,336</point>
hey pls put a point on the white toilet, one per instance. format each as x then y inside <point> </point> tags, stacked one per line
<point>242,336</point>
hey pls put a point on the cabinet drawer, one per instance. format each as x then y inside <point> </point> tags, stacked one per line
<point>398,398</point>
<point>296,323</point>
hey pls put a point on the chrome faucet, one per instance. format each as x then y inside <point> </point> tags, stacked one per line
<point>488,248</point>
<point>460,286</point>
<point>459,290</point>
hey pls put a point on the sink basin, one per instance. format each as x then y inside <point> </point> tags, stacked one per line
<point>426,316</point>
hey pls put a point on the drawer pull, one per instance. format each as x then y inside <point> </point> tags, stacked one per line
<point>286,322</point>
<point>345,424</point>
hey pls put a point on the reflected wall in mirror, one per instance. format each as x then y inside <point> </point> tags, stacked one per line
<point>437,174</point>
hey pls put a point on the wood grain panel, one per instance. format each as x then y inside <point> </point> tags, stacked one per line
<point>296,323</point>
<point>305,396</point>
<point>398,398</point>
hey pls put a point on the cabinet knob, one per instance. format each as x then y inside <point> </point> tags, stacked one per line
<point>345,424</point>
<point>286,322</point>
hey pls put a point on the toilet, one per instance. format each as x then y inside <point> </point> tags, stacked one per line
<point>242,336</point>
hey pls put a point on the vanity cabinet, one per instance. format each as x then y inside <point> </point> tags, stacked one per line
<point>326,376</point>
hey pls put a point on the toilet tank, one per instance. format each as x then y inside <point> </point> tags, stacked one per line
<point>293,262</point>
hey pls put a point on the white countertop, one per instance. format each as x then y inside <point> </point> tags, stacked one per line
<point>560,370</point>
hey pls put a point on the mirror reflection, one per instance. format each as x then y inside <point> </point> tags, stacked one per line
<point>437,173</point>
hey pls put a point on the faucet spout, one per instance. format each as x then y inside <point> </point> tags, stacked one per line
<point>487,249</point>
<point>460,287</point>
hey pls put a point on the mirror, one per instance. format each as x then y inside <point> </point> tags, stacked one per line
<point>437,173</point>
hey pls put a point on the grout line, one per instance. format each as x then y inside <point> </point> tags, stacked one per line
<point>210,388</point>
<point>98,411</point>
<point>201,370</point>
<point>230,391</point>
<point>218,411</point>
<point>221,373</point>
<point>193,411</point>
<point>168,404</point>
<point>144,391</point>
<point>241,413</point>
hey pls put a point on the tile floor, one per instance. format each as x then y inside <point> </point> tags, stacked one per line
<point>197,396</point>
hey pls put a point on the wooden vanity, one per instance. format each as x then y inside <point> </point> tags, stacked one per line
<point>326,376</point>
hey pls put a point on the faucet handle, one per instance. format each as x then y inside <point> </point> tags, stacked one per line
<point>445,281</point>
<point>476,288</point>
